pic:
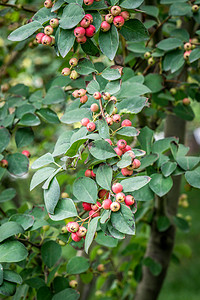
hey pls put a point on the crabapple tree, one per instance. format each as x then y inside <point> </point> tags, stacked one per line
<point>125,70</point>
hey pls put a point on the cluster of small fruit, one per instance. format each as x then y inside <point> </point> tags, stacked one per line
<point>73,62</point>
<point>77,232</point>
<point>46,38</point>
<point>116,16</point>
<point>86,29</point>
<point>188,47</point>
<point>150,59</point>
<point>4,162</point>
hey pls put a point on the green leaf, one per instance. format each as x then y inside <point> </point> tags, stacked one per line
<point>150,10</point>
<point>109,42</point>
<point>103,129</point>
<point>7,195</point>
<point>25,31</point>
<point>24,137</point>
<point>44,293</point>
<point>104,176</point>
<point>169,44</point>
<point>12,276</point>
<point>43,15</point>
<point>40,176</point>
<point>85,67</point>
<point>12,251</point>
<point>163,223</point>
<point>123,220</point>
<point>4,139</point>
<point>77,265</point>
<point>112,87</point>
<point>51,252</point>
<point>182,224</point>
<point>114,232</point>
<point>75,115</point>
<point>90,48</point>
<point>187,162</point>
<point>24,109</point>
<point>143,194</point>
<point>145,139</point>
<point>130,87</point>
<point>54,95</point>
<point>180,9</point>
<point>168,168</point>
<point>193,177</point>
<point>1,274</point>
<point>162,145</point>
<point>160,185</point>
<point>17,164</point>
<point>48,115</point>
<point>43,161</point>
<point>125,161</point>
<point>105,240</point>
<point>154,82</point>
<point>29,119</point>
<point>64,209</point>
<point>134,30</point>
<point>78,138</point>
<point>184,112</point>
<point>63,143</point>
<point>51,196</point>
<point>93,87</point>
<point>111,74</point>
<point>147,161</point>
<point>65,42</point>
<point>129,4</point>
<point>7,288</point>
<point>134,183</point>
<point>154,266</point>
<point>90,233</point>
<point>194,55</point>
<point>72,15</point>
<point>85,190</point>
<point>68,294</point>
<point>9,229</point>
<point>102,150</point>
<point>26,221</point>
<point>128,131</point>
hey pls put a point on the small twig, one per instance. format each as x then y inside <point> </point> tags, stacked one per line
<point>24,241</point>
<point>100,101</point>
<point>160,25</point>
<point>19,7</point>
<point>3,212</point>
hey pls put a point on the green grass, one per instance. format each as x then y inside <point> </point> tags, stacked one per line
<point>182,282</point>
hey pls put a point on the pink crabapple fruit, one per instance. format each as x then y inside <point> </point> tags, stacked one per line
<point>81,40</point>
<point>48,30</point>
<point>26,153</point>
<point>116,118</point>
<point>109,18</point>
<point>67,72</point>
<point>126,123</point>
<point>39,37</point>
<point>126,172</point>
<point>97,95</point>
<point>125,15</point>
<point>121,144</point>
<point>91,126</point>
<point>72,226</point>
<point>81,92</point>
<point>4,163</point>
<point>75,237</point>
<point>117,188</point>
<point>85,121</point>
<point>86,206</point>
<point>73,283</point>
<point>74,75</point>
<point>46,40</point>
<point>136,163</point>
<point>101,268</point>
<point>84,99</point>
<point>85,22</point>
<point>89,17</point>
<point>94,107</point>
<point>129,200</point>
<point>88,2</point>
<point>103,193</point>
<point>115,206</point>
<point>118,151</point>
<point>126,149</point>
<point>120,197</point>
<point>109,121</point>
<point>94,214</point>
<point>93,174</point>
<point>115,10</point>
<point>88,173</point>
<point>48,3</point>
<point>81,231</point>
<point>118,21</point>
<point>90,31</point>
<point>105,26</point>
<point>96,206</point>
<point>73,62</point>
<point>106,203</point>
<point>54,23</point>
<point>186,101</point>
<point>79,32</point>
<point>106,96</point>
<point>187,46</point>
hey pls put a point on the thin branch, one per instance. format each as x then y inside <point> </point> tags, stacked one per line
<point>100,101</point>
<point>19,7</point>
<point>160,25</point>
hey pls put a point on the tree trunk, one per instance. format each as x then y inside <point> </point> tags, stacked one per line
<point>161,244</point>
